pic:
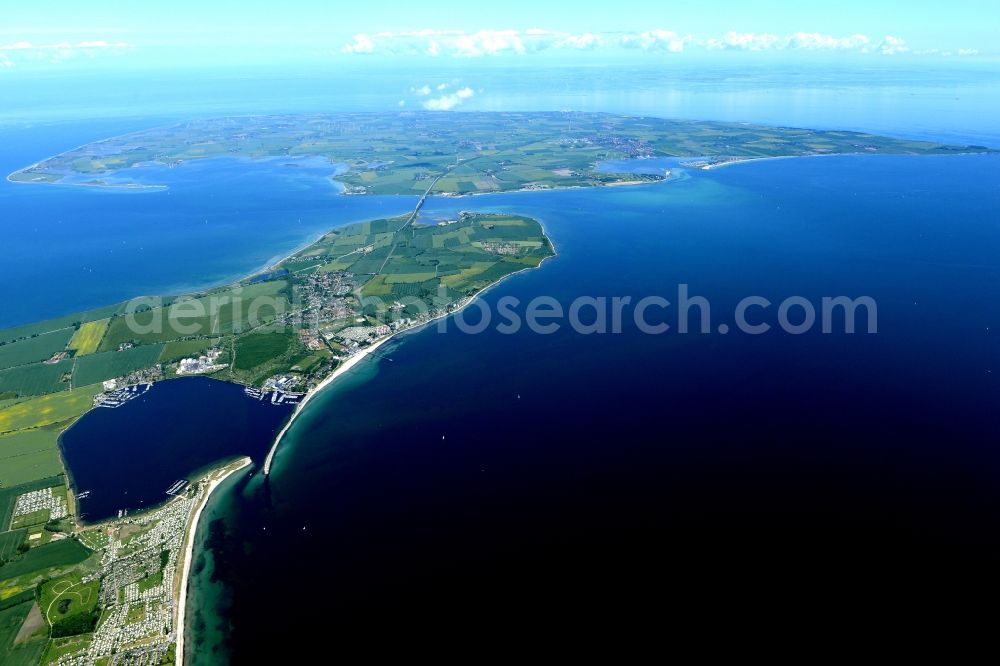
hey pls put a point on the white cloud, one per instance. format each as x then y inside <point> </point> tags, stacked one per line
<point>656,40</point>
<point>968,52</point>
<point>423,91</point>
<point>815,40</point>
<point>811,41</point>
<point>63,46</point>
<point>101,44</point>
<point>441,86</point>
<point>584,41</point>
<point>448,102</point>
<point>458,43</point>
<point>892,45</point>
<point>745,41</point>
<point>484,43</point>
<point>361,43</point>
<point>488,42</point>
<point>25,51</point>
<point>401,102</point>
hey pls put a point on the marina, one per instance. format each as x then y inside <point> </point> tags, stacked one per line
<point>118,397</point>
<point>275,397</point>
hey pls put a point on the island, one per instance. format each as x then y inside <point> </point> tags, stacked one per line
<point>73,592</point>
<point>457,154</point>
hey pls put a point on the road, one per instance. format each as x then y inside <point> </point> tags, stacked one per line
<point>409,221</point>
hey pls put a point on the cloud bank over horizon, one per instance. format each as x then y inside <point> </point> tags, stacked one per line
<point>25,51</point>
<point>461,44</point>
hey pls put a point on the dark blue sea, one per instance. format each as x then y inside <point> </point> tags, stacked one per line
<point>495,477</point>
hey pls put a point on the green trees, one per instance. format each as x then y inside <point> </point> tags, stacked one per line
<point>78,623</point>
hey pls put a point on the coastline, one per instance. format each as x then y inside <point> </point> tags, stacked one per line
<point>719,165</point>
<point>341,369</point>
<point>357,358</point>
<point>187,550</point>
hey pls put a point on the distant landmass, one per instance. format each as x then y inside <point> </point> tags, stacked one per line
<point>401,153</point>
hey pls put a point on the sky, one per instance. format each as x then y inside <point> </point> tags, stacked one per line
<point>54,35</point>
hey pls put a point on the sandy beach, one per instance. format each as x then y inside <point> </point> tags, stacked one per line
<point>341,369</point>
<point>214,479</point>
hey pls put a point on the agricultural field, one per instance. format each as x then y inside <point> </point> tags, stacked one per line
<point>12,651</point>
<point>97,368</point>
<point>432,263</point>
<point>88,337</point>
<point>50,325</point>
<point>401,153</point>
<point>29,455</point>
<point>55,554</point>
<point>9,541</point>
<point>32,350</point>
<point>258,348</point>
<point>218,312</point>
<point>48,409</point>
<point>175,351</point>
<point>36,379</point>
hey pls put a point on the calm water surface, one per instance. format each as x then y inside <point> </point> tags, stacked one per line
<point>474,478</point>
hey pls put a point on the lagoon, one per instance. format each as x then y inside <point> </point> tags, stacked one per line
<point>128,457</point>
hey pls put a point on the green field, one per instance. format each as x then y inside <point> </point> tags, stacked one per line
<point>175,351</point>
<point>97,368</point>
<point>11,620</point>
<point>26,654</point>
<point>35,349</point>
<point>36,379</point>
<point>149,582</point>
<point>88,337</point>
<point>29,455</point>
<point>258,348</point>
<point>49,409</point>
<point>67,321</point>
<point>32,519</point>
<point>219,312</point>
<point>136,613</point>
<point>67,596</point>
<point>54,554</point>
<point>9,541</point>
<point>60,647</point>
<point>434,264</point>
